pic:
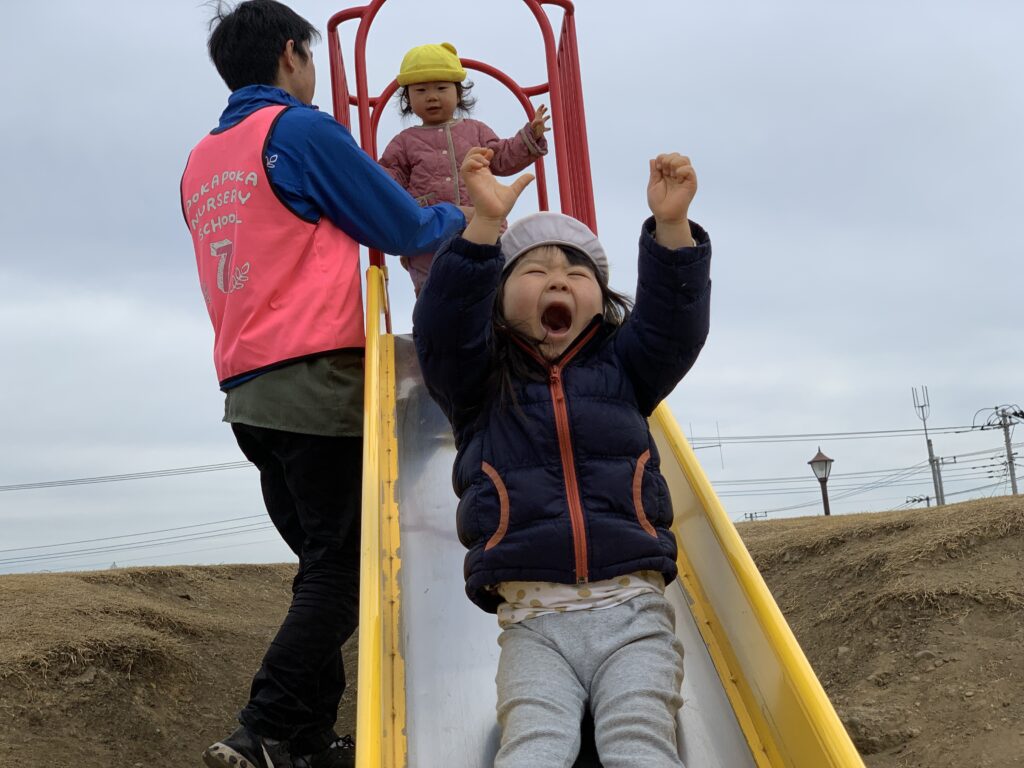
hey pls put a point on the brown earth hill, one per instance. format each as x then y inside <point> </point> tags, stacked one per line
<point>914,621</point>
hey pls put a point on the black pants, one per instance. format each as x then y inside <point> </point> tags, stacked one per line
<point>311,486</point>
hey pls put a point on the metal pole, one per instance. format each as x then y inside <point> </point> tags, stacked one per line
<point>1004,421</point>
<point>940,497</point>
<point>824,495</point>
<point>935,477</point>
<point>940,489</point>
<point>922,405</point>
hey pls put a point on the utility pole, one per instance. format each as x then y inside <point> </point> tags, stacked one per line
<point>923,406</point>
<point>1003,417</point>
<point>1004,421</point>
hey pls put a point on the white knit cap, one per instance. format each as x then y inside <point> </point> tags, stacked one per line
<point>546,228</point>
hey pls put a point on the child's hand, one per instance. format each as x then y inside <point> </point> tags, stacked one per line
<point>539,124</point>
<point>670,191</point>
<point>492,201</point>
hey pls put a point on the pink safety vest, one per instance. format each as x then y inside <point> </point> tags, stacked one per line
<point>278,288</point>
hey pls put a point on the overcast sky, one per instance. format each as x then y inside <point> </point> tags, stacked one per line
<point>860,171</point>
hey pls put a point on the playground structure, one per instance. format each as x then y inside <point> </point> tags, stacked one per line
<point>427,656</point>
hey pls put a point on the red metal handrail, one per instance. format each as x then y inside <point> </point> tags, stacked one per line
<point>572,158</point>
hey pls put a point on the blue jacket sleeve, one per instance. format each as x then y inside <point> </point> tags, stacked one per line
<point>665,332</point>
<point>452,326</point>
<point>320,170</point>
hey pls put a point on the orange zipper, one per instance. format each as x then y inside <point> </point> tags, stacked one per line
<point>572,489</point>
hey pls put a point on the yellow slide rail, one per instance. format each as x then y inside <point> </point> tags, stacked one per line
<point>380,697</point>
<point>785,715</point>
<point>780,705</point>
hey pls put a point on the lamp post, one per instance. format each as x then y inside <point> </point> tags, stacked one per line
<point>822,465</point>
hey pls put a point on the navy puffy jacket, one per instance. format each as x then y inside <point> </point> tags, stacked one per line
<point>566,486</point>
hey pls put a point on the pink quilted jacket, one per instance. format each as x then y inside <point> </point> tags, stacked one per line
<point>425,159</point>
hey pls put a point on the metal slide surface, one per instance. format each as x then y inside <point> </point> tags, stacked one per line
<point>427,655</point>
<point>450,645</point>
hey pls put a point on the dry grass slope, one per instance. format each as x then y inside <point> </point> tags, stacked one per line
<point>130,667</point>
<point>914,621</point>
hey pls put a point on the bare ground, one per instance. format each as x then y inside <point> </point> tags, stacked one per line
<point>134,667</point>
<point>914,622</point>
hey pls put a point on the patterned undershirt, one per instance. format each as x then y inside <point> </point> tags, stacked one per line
<point>529,599</point>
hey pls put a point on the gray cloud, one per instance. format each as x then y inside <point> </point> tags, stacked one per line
<point>860,174</point>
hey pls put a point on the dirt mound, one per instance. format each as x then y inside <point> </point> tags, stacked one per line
<point>131,667</point>
<point>914,621</point>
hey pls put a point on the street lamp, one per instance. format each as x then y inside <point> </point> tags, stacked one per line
<point>822,465</point>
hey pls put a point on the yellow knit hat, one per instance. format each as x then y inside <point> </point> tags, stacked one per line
<point>430,63</point>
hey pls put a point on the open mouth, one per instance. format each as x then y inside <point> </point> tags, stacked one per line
<point>557,319</point>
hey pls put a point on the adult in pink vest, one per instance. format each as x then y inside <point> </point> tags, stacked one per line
<point>277,199</point>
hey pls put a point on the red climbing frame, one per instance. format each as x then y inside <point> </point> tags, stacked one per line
<point>572,157</point>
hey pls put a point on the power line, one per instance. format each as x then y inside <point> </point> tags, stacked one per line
<point>890,478</point>
<point>911,481</point>
<point>822,436</point>
<point>799,484</point>
<point>843,475</point>
<point>799,478</point>
<point>863,489</point>
<point>793,486</point>
<point>979,488</point>
<point>105,565</point>
<point>734,440</point>
<point>132,535</point>
<point>895,481</point>
<point>144,544</point>
<point>200,468</point>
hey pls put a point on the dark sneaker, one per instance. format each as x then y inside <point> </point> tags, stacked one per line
<point>340,754</point>
<point>244,749</point>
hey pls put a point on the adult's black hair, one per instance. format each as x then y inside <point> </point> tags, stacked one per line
<point>464,104</point>
<point>246,42</point>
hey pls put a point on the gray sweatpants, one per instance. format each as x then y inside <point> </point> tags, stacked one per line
<point>625,661</point>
